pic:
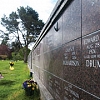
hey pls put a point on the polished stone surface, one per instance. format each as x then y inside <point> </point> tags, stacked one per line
<point>91,63</point>
<point>67,61</point>
<point>54,37</point>
<point>90,16</point>
<point>72,21</point>
<point>71,92</point>
<point>72,62</point>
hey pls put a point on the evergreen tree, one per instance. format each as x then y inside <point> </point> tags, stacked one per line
<point>23,26</point>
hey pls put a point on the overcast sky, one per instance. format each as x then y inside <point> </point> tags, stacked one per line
<point>42,7</point>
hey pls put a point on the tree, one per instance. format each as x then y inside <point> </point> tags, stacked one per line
<point>4,37</point>
<point>19,55</point>
<point>24,26</point>
<point>4,52</point>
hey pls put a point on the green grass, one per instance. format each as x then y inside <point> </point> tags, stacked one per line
<point>11,84</point>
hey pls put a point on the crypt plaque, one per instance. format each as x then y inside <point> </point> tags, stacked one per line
<point>54,37</point>
<point>71,92</point>
<point>90,16</point>
<point>54,85</point>
<point>91,63</point>
<point>72,61</point>
<point>72,21</point>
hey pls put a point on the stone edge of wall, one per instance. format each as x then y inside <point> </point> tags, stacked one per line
<point>44,93</point>
<point>57,9</point>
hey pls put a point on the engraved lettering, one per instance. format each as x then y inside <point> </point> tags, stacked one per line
<point>86,56</point>
<point>97,45</point>
<point>92,51</point>
<point>93,56</point>
<point>91,40</point>
<point>70,49</point>
<point>93,63</point>
<point>73,57</point>
<point>71,63</point>
<point>73,53</point>
<point>90,46</point>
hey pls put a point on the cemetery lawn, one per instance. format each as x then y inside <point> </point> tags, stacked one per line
<point>11,85</point>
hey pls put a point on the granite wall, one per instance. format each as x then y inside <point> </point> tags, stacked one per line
<point>67,59</point>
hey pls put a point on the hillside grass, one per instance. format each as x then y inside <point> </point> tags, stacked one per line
<point>11,84</point>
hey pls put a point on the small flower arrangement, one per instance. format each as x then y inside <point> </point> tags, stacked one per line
<point>11,65</point>
<point>30,86</point>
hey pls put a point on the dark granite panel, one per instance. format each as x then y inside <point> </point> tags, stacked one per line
<point>58,83</point>
<point>37,61</point>
<point>72,62</point>
<point>71,92</point>
<point>43,77</point>
<point>90,16</point>
<point>56,61</point>
<point>53,62</point>
<point>54,86</point>
<point>41,61</point>
<point>41,55</point>
<point>37,49</point>
<point>72,21</point>
<point>91,63</point>
<point>48,42</point>
<point>47,62</point>
<point>50,83</point>
<point>41,47</point>
<point>53,38</point>
<point>58,33</point>
<point>36,71</point>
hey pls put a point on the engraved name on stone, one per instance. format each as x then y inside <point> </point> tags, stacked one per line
<point>91,58</point>
<point>71,93</point>
<point>73,60</point>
